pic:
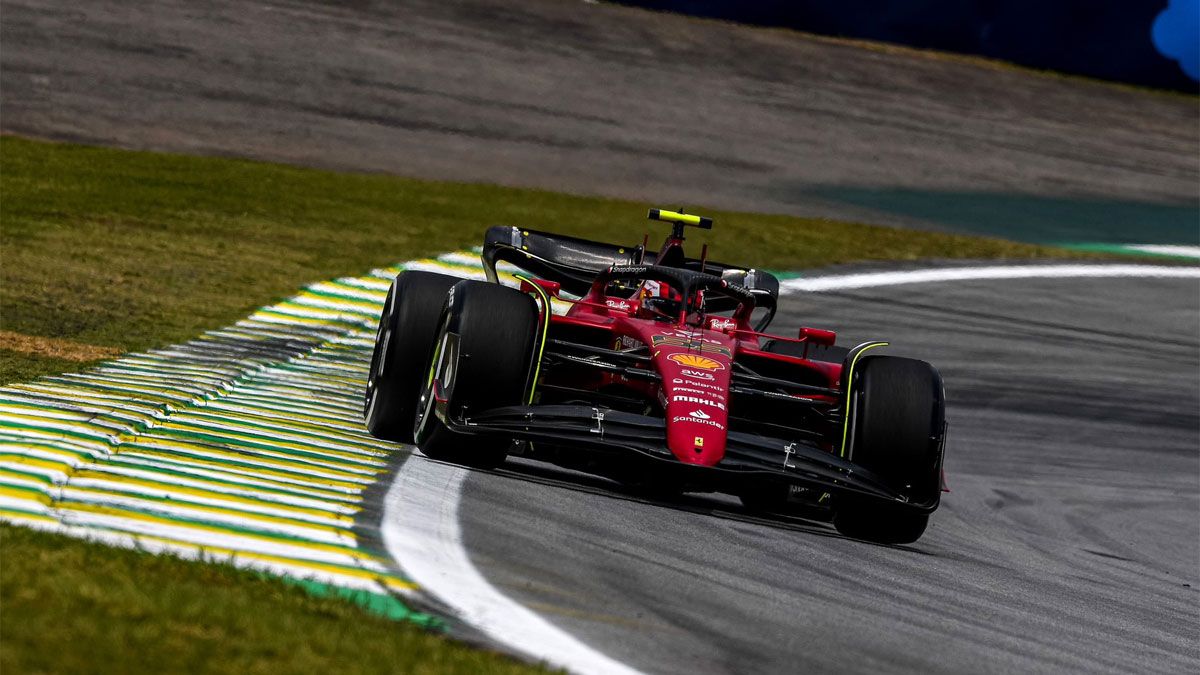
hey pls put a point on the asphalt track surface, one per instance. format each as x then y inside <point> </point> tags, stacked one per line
<point>1069,543</point>
<point>607,100</point>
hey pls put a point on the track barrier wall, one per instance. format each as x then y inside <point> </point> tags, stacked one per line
<point>1154,43</point>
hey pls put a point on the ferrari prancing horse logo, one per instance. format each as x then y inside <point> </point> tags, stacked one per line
<point>695,361</point>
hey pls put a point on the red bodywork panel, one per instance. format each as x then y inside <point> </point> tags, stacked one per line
<point>695,364</point>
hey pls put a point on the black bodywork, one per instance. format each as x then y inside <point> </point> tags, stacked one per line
<point>574,263</point>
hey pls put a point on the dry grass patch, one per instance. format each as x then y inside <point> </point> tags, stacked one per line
<point>54,348</point>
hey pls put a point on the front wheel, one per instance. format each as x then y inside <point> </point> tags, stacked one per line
<point>897,420</point>
<point>481,360</point>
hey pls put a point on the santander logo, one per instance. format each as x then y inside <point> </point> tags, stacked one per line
<point>698,417</point>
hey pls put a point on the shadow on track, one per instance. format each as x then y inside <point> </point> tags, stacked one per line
<point>711,505</point>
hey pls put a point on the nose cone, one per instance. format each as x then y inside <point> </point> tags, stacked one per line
<point>695,388</point>
<point>694,436</point>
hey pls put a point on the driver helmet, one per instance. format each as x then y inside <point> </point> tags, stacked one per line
<point>660,301</point>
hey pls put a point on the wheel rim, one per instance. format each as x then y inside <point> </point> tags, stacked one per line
<point>378,358</point>
<point>437,372</point>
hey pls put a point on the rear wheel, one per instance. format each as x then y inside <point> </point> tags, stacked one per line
<point>481,359</point>
<point>897,419</point>
<point>407,327</point>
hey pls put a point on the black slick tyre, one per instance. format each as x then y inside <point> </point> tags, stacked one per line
<point>480,360</point>
<point>403,342</point>
<point>897,409</point>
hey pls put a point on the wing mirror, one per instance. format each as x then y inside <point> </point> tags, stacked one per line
<point>817,336</point>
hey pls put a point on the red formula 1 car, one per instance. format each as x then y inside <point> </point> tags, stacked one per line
<point>659,375</point>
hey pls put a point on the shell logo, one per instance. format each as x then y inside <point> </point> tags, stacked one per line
<point>694,361</point>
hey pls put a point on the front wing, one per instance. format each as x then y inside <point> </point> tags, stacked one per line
<point>749,458</point>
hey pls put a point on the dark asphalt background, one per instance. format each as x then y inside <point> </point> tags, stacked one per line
<point>1071,540</point>
<point>613,101</point>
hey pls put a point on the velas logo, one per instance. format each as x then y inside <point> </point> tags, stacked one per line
<point>696,399</point>
<point>696,361</point>
<point>696,374</point>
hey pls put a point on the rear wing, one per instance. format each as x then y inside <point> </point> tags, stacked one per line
<point>575,262</point>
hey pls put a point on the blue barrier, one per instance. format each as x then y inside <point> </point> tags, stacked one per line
<point>1175,35</point>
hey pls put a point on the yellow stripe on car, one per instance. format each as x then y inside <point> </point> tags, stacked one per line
<point>849,385</point>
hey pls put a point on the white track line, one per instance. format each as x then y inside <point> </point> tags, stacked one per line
<point>874,279</point>
<point>420,519</point>
<point>1168,249</point>
<point>420,527</point>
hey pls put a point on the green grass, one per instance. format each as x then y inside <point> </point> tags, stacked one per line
<point>134,250</point>
<point>70,606</point>
<point>18,367</point>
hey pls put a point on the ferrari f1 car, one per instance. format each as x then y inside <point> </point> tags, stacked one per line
<point>654,369</point>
